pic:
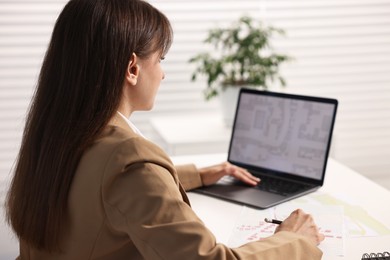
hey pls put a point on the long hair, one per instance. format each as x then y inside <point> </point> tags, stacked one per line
<point>78,91</point>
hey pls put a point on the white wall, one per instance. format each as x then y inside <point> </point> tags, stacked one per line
<point>341,50</point>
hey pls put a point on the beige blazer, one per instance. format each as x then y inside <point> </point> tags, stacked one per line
<point>127,201</point>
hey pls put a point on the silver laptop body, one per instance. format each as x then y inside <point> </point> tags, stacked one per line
<point>285,140</point>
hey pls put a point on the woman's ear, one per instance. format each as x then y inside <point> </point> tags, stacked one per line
<point>132,71</point>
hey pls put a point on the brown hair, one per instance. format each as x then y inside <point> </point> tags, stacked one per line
<point>78,91</point>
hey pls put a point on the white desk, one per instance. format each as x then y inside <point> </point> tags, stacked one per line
<point>220,216</point>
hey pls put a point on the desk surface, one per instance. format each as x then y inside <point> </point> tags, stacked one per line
<point>220,216</point>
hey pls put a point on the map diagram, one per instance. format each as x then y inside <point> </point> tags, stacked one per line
<point>252,227</point>
<point>337,217</point>
<point>283,134</point>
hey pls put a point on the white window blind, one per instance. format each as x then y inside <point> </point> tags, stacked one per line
<point>25,28</point>
<point>341,49</point>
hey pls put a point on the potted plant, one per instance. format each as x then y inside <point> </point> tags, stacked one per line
<point>242,57</point>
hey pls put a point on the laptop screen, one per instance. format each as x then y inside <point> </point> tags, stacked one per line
<point>283,133</point>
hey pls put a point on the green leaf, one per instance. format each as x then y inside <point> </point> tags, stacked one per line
<point>239,57</point>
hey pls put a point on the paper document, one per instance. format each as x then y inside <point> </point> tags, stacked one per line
<point>337,216</point>
<point>251,226</point>
<point>358,222</point>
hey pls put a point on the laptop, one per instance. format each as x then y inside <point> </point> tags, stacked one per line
<point>284,139</point>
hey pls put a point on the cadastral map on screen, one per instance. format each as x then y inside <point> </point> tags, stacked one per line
<point>283,134</point>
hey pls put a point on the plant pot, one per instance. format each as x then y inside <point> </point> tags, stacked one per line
<point>228,100</point>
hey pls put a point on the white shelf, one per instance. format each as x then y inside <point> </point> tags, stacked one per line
<point>192,134</point>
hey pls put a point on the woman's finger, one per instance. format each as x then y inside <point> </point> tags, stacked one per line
<point>244,176</point>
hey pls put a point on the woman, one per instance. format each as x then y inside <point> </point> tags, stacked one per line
<point>87,185</point>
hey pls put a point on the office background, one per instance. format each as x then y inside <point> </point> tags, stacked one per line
<point>341,49</point>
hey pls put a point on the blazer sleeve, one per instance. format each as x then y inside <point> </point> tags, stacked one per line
<point>142,199</point>
<point>189,176</point>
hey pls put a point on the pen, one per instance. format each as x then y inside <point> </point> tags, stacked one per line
<point>273,221</point>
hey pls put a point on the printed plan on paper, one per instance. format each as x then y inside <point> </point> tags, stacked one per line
<point>335,217</point>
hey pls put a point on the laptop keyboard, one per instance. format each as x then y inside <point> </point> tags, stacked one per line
<point>269,184</point>
<point>280,186</point>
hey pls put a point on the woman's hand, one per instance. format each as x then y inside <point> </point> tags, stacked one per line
<point>301,223</point>
<point>212,174</point>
